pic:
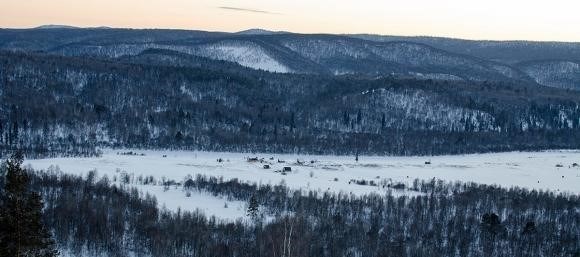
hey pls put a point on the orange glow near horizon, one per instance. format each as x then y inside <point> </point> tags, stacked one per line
<point>555,20</point>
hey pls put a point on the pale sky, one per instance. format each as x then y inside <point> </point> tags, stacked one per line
<point>547,20</point>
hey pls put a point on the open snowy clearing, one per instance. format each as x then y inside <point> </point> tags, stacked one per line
<point>176,198</point>
<point>551,170</point>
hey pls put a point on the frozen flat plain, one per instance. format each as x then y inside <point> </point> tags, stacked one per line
<point>548,170</point>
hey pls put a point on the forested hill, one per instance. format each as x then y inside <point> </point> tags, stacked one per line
<point>549,64</point>
<point>168,99</point>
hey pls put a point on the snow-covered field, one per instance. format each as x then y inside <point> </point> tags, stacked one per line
<point>550,170</point>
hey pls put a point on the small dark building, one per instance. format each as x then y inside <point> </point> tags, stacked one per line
<point>287,169</point>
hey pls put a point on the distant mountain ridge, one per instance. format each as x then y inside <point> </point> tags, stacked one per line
<point>55,26</point>
<point>256,31</point>
<point>355,55</point>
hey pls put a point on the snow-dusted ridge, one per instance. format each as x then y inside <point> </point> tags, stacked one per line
<point>245,54</point>
<point>287,52</point>
<point>554,73</point>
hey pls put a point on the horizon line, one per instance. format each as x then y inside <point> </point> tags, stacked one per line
<point>66,26</point>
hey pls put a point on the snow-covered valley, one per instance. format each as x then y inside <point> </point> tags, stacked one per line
<point>556,171</point>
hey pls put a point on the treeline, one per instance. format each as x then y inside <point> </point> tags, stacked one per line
<point>51,104</point>
<point>92,216</point>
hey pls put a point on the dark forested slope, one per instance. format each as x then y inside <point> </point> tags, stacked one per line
<point>55,103</point>
<point>94,217</point>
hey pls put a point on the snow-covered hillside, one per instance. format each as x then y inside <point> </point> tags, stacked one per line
<point>551,170</point>
<point>341,56</point>
<point>560,74</point>
<point>548,63</point>
<point>244,53</point>
<point>289,53</point>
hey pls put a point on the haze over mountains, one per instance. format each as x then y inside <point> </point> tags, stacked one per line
<point>550,64</point>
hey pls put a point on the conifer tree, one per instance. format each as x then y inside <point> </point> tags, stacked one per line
<point>23,234</point>
<point>253,208</point>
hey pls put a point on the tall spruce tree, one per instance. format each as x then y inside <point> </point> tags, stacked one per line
<point>253,208</point>
<point>23,234</point>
